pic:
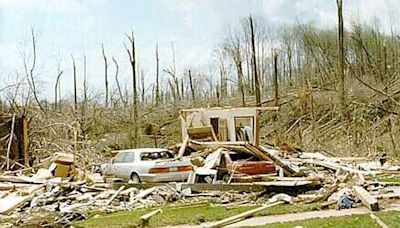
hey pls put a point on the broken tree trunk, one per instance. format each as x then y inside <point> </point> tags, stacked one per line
<point>366,198</point>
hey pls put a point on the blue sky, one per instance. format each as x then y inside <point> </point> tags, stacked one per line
<point>78,27</point>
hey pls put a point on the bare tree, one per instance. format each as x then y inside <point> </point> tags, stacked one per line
<point>121,96</point>
<point>157,77</point>
<point>172,72</point>
<point>75,87</point>
<point>85,89</point>
<point>105,74</point>
<point>342,92</point>
<point>254,63</point>
<point>275,78</point>
<point>233,49</point>
<point>191,85</point>
<point>30,73</point>
<point>60,72</point>
<point>132,60</point>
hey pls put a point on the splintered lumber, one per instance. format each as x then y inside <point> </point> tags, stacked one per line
<point>144,220</point>
<point>265,154</point>
<point>20,179</point>
<point>32,189</point>
<point>183,147</point>
<point>368,200</point>
<point>287,183</point>
<point>142,194</point>
<point>11,203</point>
<point>325,195</point>
<point>95,178</point>
<point>7,186</point>
<point>115,194</point>
<point>241,216</point>
<point>335,167</point>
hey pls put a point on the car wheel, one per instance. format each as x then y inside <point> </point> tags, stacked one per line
<point>135,178</point>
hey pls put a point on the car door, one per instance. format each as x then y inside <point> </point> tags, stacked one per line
<point>117,162</point>
<point>124,167</point>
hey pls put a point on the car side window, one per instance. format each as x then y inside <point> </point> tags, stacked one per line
<point>155,155</point>
<point>129,157</point>
<point>119,157</point>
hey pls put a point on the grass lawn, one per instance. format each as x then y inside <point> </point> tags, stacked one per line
<point>389,178</point>
<point>192,215</point>
<point>390,218</point>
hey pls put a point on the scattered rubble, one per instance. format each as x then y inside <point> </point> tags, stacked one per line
<point>231,173</point>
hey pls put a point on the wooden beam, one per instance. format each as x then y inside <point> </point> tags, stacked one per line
<point>263,153</point>
<point>366,198</point>
<point>144,219</point>
<point>115,194</point>
<point>335,167</point>
<point>11,203</point>
<point>241,216</point>
<point>378,220</point>
<point>183,147</point>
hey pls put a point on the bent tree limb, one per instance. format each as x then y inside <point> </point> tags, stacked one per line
<point>378,91</point>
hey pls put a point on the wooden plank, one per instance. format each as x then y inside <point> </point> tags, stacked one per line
<point>115,194</point>
<point>32,189</point>
<point>287,183</point>
<point>144,219</point>
<point>263,153</point>
<point>241,216</point>
<point>20,179</point>
<point>378,221</point>
<point>183,147</point>
<point>335,167</point>
<point>11,203</point>
<point>142,194</point>
<point>368,200</point>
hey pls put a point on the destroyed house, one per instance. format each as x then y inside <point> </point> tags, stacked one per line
<point>222,124</point>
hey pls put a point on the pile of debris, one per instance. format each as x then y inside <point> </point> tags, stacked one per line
<point>62,193</point>
<point>336,180</point>
<point>222,171</point>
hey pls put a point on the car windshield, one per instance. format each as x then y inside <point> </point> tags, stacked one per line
<point>159,155</point>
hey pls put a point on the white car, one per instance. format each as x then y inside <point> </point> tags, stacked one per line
<point>147,165</point>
